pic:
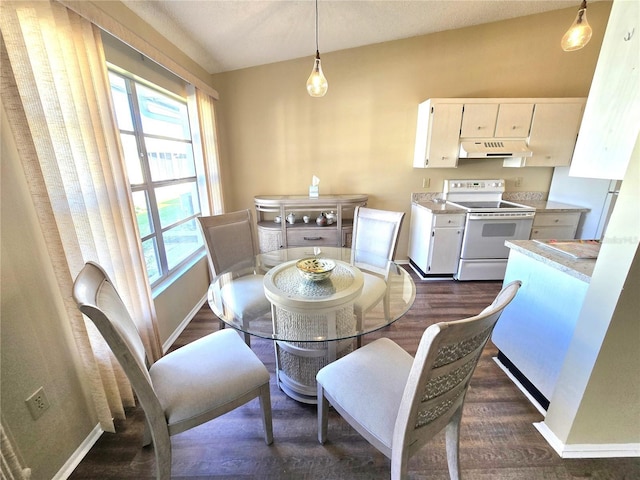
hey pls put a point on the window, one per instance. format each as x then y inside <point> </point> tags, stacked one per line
<point>156,139</point>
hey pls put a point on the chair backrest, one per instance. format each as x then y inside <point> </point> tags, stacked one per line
<point>230,238</point>
<point>444,363</point>
<point>375,234</point>
<point>98,299</point>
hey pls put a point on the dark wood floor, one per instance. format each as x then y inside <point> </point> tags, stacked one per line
<point>498,440</point>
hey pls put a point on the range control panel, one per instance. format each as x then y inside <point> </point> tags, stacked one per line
<point>480,186</point>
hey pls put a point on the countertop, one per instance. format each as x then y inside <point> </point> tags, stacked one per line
<point>439,208</point>
<point>582,269</point>
<point>549,207</point>
<point>530,199</point>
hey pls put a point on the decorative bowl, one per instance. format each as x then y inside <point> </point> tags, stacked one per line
<point>315,269</point>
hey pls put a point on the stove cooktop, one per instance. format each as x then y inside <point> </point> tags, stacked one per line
<point>489,206</point>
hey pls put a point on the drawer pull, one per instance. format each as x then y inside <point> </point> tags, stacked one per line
<point>312,238</point>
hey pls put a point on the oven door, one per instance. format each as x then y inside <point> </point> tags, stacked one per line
<point>485,233</point>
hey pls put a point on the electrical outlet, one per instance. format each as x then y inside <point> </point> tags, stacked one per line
<point>518,182</point>
<point>426,182</point>
<point>37,403</point>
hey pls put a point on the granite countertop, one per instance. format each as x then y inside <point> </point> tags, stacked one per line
<point>582,269</point>
<point>535,200</point>
<point>549,206</point>
<point>439,207</point>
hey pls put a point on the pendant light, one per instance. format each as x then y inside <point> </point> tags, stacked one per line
<point>317,83</point>
<point>579,33</point>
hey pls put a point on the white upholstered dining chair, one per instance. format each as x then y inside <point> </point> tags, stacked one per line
<point>398,402</point>
<point>185,388</point>
<point>373,245</point>
<point>230,238</point>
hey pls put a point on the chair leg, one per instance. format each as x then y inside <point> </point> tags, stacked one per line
<point>323,416</point>
<point>359,314</point>
<point>265,406</point>
<point>159,434</point>
<point>399,464</point>
<point>453,444</point>
<point>146,436</point>
<point>247,339</point>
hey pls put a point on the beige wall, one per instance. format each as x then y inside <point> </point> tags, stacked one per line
<point>359,138</point>
<point>36,340</point>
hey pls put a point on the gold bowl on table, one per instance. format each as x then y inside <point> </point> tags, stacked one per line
<point>315,269</point>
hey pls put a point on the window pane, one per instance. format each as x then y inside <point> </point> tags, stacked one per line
<point>132,158</point>
<point>181,241</point>
<point>141,207</point>
<point>162,115</point>
<point>150,251</point>
<point>177,202</point>
<point>169,160</point>
<point>121,102</point>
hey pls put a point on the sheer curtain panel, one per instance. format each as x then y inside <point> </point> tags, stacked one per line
<point>56,92</point>
<point>207,118</point>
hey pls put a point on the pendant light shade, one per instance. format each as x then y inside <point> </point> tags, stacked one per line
<point>317,84</point>
<point>579,33</point>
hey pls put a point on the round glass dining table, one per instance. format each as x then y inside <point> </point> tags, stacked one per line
<point>294,288</point>
<point>311,322</point>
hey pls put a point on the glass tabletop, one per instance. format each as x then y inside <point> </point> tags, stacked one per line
<point>249,294</point>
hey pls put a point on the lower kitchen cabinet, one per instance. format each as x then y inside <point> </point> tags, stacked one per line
<point>435,241</point>
<point>555,226</point>
<point>534,333</point>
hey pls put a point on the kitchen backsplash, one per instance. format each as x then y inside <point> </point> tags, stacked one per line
<point>520,196</point>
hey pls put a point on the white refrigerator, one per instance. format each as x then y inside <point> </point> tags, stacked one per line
<point>598,195</point>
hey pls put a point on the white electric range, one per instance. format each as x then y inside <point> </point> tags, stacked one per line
<point>490,221</point>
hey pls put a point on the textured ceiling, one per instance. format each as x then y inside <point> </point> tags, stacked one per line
<point>224,35</point>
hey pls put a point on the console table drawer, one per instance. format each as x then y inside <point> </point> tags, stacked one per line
<point>300,237</point>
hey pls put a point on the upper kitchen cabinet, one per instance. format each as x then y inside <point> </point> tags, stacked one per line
<point>496,120</point>
<point>553,133</point>
<point>532,132</point>
<point>437,135</point>
<point>612,114</point>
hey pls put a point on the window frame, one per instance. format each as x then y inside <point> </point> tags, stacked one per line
<point>149,186</point>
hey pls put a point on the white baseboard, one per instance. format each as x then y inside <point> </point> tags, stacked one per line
<point>598,450</point>
<point>75,459</point>
<point>176,333</point>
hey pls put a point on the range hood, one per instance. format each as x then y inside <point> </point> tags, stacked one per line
<point>493,148</point>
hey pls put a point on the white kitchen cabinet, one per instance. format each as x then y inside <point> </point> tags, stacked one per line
<point>555,226</point>
<point>496,120</point>
<point>437,135</point>
<point>554,130</point>
<point>435,241</point>
<point>612,114</point>
<point>534,333</point>
<point>514,120</point>
<point>479,120</point>
<point>548,125</point>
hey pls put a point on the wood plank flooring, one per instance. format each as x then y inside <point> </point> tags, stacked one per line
<point>498,440</point>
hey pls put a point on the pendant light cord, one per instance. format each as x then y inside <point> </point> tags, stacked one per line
<point>317,47</point>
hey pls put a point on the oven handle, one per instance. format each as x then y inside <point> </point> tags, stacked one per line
<point>500,216</point>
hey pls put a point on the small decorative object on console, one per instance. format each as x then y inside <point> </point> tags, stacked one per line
<point>322,220</point>
<point>315,269</point>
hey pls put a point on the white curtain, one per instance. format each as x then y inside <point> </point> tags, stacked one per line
<point>55,90</point>
<point>206,116</point>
